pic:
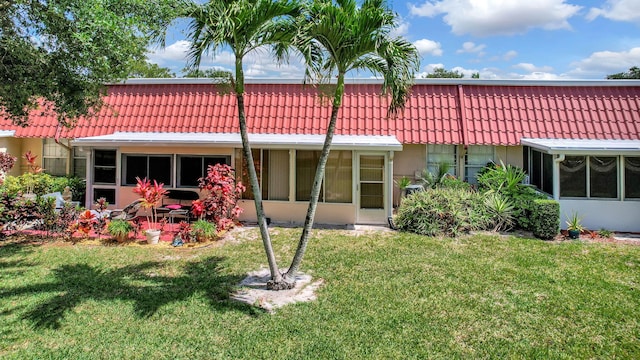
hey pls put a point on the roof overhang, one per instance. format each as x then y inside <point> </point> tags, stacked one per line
<point>7,133</point>
<point>264,141</point>
<point>584,146</point>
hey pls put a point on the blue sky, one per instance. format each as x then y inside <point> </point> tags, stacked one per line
<point>500,39</point>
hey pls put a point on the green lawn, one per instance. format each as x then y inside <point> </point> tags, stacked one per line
<point>386,295</point>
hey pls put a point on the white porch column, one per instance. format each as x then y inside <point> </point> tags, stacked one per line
<point>389,197</point>
<point>556,176</point>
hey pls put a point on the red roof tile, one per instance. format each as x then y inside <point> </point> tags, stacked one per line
<point>442,113</point>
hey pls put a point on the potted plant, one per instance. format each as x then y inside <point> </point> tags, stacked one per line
<point>151,194</point>
<point>203,230</point>
<point>574,226</point>
<point>119,229</point>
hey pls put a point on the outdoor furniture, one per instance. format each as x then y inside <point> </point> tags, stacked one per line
<point>59,201</point>
<point>181,213</point>
<point>128,213</point>
<point>177,203</point>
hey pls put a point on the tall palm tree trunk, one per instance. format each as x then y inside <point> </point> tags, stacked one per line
<point>290,276</point>
<point>276,277</point>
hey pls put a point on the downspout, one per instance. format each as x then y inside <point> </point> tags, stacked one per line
<point>389,191</point>
<point>463,133</point>
<point>556,176</point>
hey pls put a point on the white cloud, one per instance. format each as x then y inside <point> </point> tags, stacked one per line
<point>471,47</point>
<point>401,30</point>
<point>498,17</point>
<point>172,53</point>
<point>428,47</point>
<point>618,10</point>
<point>258,63</point>
<point>532,68</point>
<point>509,55</point>
<point>603,63</point>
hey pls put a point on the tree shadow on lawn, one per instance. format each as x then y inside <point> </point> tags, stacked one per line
<point>140,283</point>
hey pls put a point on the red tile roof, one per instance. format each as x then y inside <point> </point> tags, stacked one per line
<point>440,112</point>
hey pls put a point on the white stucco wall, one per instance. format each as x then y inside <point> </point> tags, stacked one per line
<point>612,215</point>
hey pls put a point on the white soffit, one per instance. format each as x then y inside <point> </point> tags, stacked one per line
<point>264,141</point>
<point>7,133</point>
<point>584,146</point>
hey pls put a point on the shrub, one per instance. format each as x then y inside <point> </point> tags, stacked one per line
<point>203,230</point>
<point>430,179</point>
<point>42,183</point>
<point>501,211</point>
<point>442,211</point>
<point>453,182</point>
<point>507,180</point>
<point>545,218</point>
<point>119,229</point>
<point>221,203</point>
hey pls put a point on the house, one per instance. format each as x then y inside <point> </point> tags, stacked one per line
<point>578,140</point>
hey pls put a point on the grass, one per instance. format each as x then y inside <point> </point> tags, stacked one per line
<point>386,295</point>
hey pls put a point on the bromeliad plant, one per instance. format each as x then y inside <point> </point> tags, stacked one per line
<point>151,194</point>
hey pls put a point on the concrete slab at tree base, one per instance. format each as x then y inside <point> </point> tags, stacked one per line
<point>253,291</point>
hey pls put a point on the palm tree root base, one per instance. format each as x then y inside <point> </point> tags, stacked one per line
<point>280,285</point>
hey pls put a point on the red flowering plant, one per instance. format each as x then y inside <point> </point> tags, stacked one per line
<point>220,205</point>
<point>85,223</point>
<point>6,163</point>
<point>151,194</point>
<point>34,169</point>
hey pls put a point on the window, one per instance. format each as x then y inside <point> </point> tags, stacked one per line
<point>79,162</point>
<point>337,184</point>
<point>109,194</point>
<point>477,157</point>
<point>589,176</point>
<point>192,167</point>
<point>438,154</point>
<point>632,177</point>
<point>540,170</point>
<point>573,176</point>
<point>153,167</point>
<point>54,158</point>
<point>104,167</point>
<point>603,177</point>
<point>272,167</point>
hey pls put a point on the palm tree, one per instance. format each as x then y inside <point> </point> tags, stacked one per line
<point>243,26</point>
<point>351,38</point>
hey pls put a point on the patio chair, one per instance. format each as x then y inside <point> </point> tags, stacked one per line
<point>58,199</point>
<point>128,213</point>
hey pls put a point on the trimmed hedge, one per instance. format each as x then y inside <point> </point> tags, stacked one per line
<point>545,218</point>
<point>442,212</point>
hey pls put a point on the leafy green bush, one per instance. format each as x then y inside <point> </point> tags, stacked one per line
<point>501,211</point>
<point>507,180</point>
<point>453,182</point>
<point>43,183</point>
<point>430,179</point>
<point>442,212</point>
<point>545,218</point>
<point>203,230</point>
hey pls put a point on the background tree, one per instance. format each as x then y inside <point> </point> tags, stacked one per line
<point>243,26</point>
<point>144,69</point>
<point>209,73</point>
<point>64,51</point>
<point>441,73</point>
<point>350,38</point>
<point>633,73</point>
